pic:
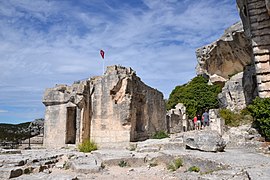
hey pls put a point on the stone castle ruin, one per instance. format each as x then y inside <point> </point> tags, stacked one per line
<point>118,107</point>
<point>112,109</point>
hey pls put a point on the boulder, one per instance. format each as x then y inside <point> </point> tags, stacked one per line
<point>206,140</point>
<point>86,164</point>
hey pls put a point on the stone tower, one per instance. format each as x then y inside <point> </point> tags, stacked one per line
<point>255,15</point>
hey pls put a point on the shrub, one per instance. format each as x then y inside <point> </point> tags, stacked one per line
<point>235,119</point>
<point>160,135</point>
<point>66,165</point>
<point>260,110</point>
<point>176,164</point>
<point>197,95</point>
<point>194,169</point>
<point>122,164</point>
<point>87,146</point>
<point>153,164</point>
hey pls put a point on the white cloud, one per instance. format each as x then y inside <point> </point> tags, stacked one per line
<point>3,111</point>
<point>44,43</point>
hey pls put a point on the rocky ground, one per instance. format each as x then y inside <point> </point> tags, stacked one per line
<point>143,160</point>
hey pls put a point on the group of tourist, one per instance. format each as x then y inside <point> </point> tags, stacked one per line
<point>201,121</point>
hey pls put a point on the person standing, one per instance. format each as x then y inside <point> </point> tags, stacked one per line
<point>205,118</point>
<point>199,120</point>
<point>195,122</point>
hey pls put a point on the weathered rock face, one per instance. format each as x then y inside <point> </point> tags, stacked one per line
<point>115,108</point>
<point>210,141</point>
<point>255,15</point>
<point>226,56</point>
<point>243,136</point>
<point>268,6</point>
<point>239,91</point>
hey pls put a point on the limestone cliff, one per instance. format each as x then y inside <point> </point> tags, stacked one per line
<point>228,60</point>
<point>111,109</point>
<point>226,56</point>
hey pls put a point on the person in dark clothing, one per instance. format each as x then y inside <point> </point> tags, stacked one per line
<point>205,118</point>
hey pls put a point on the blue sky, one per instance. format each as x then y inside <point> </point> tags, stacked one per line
<point>48,42</point>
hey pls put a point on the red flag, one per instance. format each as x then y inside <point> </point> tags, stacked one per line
<point>102,53</point>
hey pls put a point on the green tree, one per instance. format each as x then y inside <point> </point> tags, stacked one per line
<point>196,95</point>
<point>260,110</point>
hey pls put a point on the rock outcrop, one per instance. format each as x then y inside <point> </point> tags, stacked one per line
<point>206,140</point>
<point>226,56</point>
<point>228,62</point>
<point>244,136</point>
<point>239,90</point>
<point>115,108</point>
<point>256,20</point>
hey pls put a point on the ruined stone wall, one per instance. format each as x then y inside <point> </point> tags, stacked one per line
<point>63,114</point>
<point>256,19</point>
<point>177,120</point>
<point>125,108</point>
<point>111,106</point>
<point>112,109</point>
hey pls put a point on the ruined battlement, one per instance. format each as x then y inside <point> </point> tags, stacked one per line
<point>115,108</point>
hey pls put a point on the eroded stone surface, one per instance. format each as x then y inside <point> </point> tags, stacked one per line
<point>231,164</point>
<point>239,90</point>
<point>226,56</point>
<point>210,141</point>
<point>244,136</point>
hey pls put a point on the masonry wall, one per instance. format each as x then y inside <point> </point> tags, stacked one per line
<point>255,15</point>
<point>111,110</point>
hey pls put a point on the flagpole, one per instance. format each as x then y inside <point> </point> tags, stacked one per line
<point>103,59</point>
<point>103,68</point>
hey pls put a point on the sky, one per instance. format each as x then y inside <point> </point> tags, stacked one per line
<point>48,42</point>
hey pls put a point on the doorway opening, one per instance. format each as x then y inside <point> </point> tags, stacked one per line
<point>71,125</point>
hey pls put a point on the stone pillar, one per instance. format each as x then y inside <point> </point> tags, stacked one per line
<point>256,19</point>
<point>216,123</point>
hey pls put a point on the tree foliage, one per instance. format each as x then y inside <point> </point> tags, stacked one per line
<point>14,132</point>
<point>260,110</point>
<point>197,95</point>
